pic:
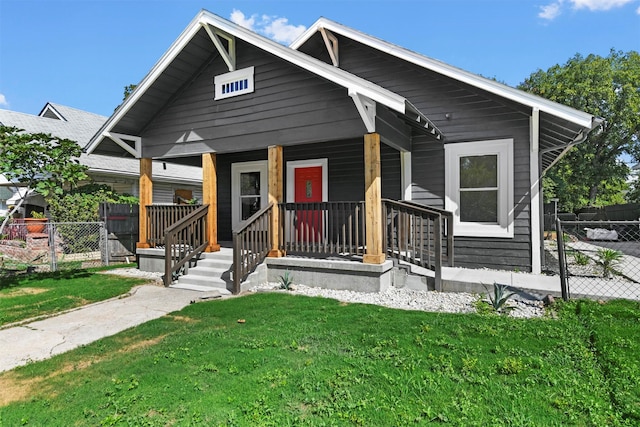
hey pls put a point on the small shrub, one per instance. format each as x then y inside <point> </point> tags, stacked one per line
<point>500,296</point>
<point>580,258</point>
<point>608,260</point>
<point>286,280</point>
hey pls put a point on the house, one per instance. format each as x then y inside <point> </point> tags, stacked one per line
<point>121,174</point>
<point>341,116</point>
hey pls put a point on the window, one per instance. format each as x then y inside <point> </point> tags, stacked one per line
<point>234,83</point>
<point>479,187</point>
<point>248,189</point>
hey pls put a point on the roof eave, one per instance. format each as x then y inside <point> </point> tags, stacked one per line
<point>352,83</point>
<point>562,111</point>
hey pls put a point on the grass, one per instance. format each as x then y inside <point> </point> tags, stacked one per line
<point>312,361</point>
<point>27,296</point>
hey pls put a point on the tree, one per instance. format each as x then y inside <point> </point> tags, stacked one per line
<point>592,173</point>
<point>39,162</point>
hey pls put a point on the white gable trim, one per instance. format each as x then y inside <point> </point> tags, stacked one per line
<point>533,101</point>
<point>352,83</point>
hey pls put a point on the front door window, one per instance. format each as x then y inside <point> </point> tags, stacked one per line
<point>248,190</point>
<point>249,194</point>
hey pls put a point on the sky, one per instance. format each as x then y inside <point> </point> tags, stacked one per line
<point>82,53</point>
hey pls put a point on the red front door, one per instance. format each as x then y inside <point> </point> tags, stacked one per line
<point>308,189</point>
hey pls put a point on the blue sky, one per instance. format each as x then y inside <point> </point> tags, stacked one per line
<point>82,53</point>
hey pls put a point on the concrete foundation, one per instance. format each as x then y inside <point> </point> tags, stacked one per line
<point>151,260</point>
<point>332,274</point>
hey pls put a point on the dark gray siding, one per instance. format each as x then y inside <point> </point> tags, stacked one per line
<point>289,106</point>
<point>345,174</point>
<point>474,115</point>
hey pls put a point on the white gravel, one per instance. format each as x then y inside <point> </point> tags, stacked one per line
<point>408,299</point>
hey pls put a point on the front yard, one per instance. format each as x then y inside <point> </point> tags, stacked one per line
<point>27,296</point>
<point>277,359</point>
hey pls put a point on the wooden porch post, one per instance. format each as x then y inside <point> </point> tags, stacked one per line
<point>210,197</point>
<point>373,200</point>
<point>276,195</point>
<point>146,198</point>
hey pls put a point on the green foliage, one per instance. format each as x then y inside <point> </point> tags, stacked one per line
<point>501,295</point>
<point>286,280</point>
<point>608,260</point>
<point>580,258</point>
<point>591,174</point>
<point>81,204</point>
<point>40,161</point>
<point>38,215</point>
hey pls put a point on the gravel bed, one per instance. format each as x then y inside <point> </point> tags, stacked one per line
<point>409,299</point>
<point>406,299</point>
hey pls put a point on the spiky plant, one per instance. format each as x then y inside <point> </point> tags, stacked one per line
<point>286,281</point>
<point>501,294</point>
<point>608,260</point>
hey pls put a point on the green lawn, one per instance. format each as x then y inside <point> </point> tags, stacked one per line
<point>277,359</point>
<point>27,296</point>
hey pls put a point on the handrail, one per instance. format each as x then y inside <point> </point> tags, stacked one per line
<point>162,216</point>
<point>413,233</point>
<point>251,244</point>
<point>448,228</point>
<point>183,241</point>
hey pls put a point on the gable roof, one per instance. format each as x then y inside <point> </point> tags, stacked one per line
<point>80,126</point>
<point>563,126</point>
<point>354,85</point>
<point>571,114</point>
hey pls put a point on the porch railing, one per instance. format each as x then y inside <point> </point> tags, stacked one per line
<point>414,233</point>
<point>161,217</point>
<point>323,228</point>
<point>251,244</point>
<point>184,241</point>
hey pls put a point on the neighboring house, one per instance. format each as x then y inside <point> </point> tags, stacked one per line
<point>121,174</point>
<point>264,116</point>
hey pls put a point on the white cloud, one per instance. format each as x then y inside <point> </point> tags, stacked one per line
<point>274,27</point>
<point>239,18</point>
<point>550,11</point>
<point>638,11</point>
<point>3,101</point>
<point>599,4</point>
<point>553,10</point>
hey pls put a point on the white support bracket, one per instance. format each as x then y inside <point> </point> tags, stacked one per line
<point>229,56</point>
<point>120,139</point>
<point>367,109</point>
<point>331,42</point>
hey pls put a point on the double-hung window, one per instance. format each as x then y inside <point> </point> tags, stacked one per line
<point>479,187</point>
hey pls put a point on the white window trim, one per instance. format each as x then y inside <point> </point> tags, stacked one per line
<point>261,166</point>
<point>291,176</point>
<point>503,149</point>
<point>232,77</point>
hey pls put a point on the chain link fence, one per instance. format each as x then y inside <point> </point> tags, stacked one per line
<point>597,259</point>
<point>53,246</point>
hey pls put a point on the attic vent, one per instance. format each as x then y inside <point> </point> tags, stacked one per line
<point>234,83</point>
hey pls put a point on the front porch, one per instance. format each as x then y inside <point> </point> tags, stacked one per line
<point>321,244</point>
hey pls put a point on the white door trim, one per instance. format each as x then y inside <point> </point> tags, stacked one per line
<point>293,165</point>
<point>261,166</point>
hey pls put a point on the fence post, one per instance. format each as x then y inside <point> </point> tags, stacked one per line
<point>53,262</point>
<point>562,261</point>
<point>104,248</point>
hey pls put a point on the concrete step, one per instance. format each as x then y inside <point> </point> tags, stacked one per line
<point>202,283</point>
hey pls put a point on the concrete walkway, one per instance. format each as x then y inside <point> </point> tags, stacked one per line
<point>45,338</point>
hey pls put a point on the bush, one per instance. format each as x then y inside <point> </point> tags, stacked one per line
<point>81,204</point>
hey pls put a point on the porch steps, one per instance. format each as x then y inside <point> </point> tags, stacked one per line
<point>212,272</point>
